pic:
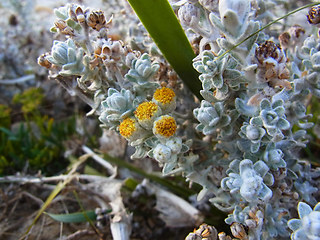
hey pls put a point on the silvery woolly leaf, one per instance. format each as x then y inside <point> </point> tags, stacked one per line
<point>200,127</point>
<point>257,121</point>
<point>216,22</point>
<point>207,84</point>
<point>224,121</point>
<point>234,166</point>
<point>61,13</point>
<point>299,235</point>
<point>255,147</point>
<point>283,124</point>
<point>307,63</point>
<point>208,96</point>
<point>184,148</point>
<point>72,57</point>
<point>139,153</point>
<point>294,224</point>
<point>304,209</point>
<point>218,81</point>
<point>231,74</point>
<point>261,168</point>
<point>208,130</point>
<point>265,104</point>
<point>265,193</point>
<point>317,207</point>
<point>268,179</point>
<point>168,167</point>
<point>245,109</point>
<point>244,165</point>
<point>199,67</point>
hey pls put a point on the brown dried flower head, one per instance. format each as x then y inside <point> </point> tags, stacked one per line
<point>43,62</point>
<point>269,50</point>
<point>204,232</point>
<point>60,24</point>
<point>96,20</point>
<point>284,39</point>
<point>314,15</point>
<point>238,231</point>
<point>292,37</point>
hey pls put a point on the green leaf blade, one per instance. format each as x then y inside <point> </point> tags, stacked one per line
<point>163,26</point>
<point>74,217</point>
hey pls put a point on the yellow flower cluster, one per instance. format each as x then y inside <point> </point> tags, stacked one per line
<point>149,116</point>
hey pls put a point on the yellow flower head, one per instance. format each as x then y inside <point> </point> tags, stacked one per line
<point>146,112</point>
<point>164,95</point>
<point>127,127</point>
<point>165,98</point>
<point>165,126</point>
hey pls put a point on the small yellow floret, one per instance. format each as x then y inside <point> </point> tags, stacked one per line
<point>164,95</point>
<point>166,126</point>
<point>127,127</point>
<point>146,110</point>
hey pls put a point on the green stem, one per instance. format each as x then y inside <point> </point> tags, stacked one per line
<point>183,192</point>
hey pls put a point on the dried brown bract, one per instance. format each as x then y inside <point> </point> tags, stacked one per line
<point>204,232</point>
<point>293,37</point>
<point>96,20</point>
<point>43,62</point>
<point>314,15</point>
<point>272,65</point>
<point>239,231</point>
<point>269,50</point>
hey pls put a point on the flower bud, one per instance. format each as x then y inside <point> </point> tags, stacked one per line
<point>188,14</point>
<point>162,153</point>
<point>175,144</point>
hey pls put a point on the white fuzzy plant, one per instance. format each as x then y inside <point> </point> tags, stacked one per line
<point>254,98</point>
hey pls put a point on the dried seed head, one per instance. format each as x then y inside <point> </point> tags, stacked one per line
<point>269,50</point>
<point>224,236</point>
<point>284,39</point>
<point>238,231</point>
<point>314,15</point>
<point>60,24</point>
<point>292,37</point>
<point>205,232</point>
<point>297,31</point>
<point>96,20</point>
<point>43,62</point>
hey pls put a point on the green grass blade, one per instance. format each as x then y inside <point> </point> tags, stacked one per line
<point>74,217</point>
<point>163,26</point>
